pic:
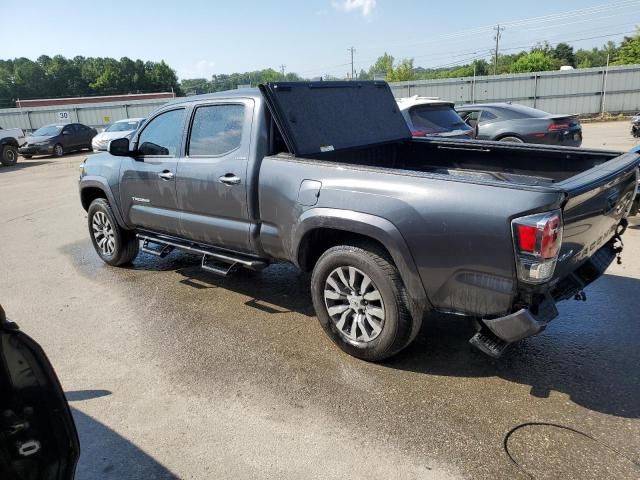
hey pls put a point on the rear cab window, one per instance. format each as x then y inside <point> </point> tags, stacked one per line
<point>436,119</point>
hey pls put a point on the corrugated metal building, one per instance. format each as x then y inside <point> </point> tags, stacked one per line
<point>97,115</point>
<point>582,91</point>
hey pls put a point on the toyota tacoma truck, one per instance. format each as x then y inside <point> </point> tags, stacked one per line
<point>326,176</point>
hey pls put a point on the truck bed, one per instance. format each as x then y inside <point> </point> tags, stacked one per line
<point>513,163</point>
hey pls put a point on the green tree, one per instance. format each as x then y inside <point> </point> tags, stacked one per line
<point>629,50</point>
<point>402,72</point>
<point>564,53</point>
<point>536,61</point>
<point>382,66</point>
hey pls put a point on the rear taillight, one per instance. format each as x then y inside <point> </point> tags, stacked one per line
<point>537,240</point>
<point>558,126</point>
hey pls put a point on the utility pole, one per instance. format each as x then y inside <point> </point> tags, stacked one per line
<point>498,29</point>
<point>352,50</point>
<point>282,67</point>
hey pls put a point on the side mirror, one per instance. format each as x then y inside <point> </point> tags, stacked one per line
<point>119,147</point>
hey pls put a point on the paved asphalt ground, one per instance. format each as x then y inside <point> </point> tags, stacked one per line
<point>172,373</point>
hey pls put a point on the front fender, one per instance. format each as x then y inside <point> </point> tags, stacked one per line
<point>93,181</point>
<point>377,228</point>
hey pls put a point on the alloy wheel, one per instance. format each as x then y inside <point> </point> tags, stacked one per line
<point>354,304</point>
<point>103,233</point>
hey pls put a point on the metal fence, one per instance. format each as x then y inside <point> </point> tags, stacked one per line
<point>582,91</point>
<point>93,114</point>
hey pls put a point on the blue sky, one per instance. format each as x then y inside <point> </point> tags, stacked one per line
<point>199,38</point>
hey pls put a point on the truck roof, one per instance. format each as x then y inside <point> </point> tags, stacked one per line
<point>238,93</point>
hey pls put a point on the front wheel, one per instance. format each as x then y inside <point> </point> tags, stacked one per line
<point>361,302</point>
<point>9,155</point>
<point>511,139</point>
<point>115,245</point>
<point>58,150</point>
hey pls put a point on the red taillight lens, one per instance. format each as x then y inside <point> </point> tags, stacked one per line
<point>558,126</point>
<point>527,238</point>
<point>418,133</point>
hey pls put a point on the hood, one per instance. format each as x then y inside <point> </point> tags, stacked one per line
<point>112,135</point>
<point>39,139</point>
<point>316,117</point>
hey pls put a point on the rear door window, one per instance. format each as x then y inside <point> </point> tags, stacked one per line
<point>487,116</point>
<point>436,119</point>
<point>216,130</point>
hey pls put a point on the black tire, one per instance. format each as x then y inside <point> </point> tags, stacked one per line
<point>58,150</point>
<point>9,155</point>
<point>125,244</point>
<point>399,327</point>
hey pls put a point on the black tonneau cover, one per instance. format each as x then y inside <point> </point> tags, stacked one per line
<point>316,117</point>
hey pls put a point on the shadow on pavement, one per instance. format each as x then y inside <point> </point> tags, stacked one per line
<point>280,288</point>
<point>590,352</point>
<point>107,455</point>
<point>80,395</point>
<point>24,164</point>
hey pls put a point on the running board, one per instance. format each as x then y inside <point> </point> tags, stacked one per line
<point>212,260</point>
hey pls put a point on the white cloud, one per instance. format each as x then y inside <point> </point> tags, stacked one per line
<point>365,7</point>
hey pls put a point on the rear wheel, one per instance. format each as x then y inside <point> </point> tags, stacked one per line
<point>511,139</point>
<point>361,302</point>
<point>8,155</point>
<point>115,245</point>
<point>58,150</point>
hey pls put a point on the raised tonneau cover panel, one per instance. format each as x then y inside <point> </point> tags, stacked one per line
<point>316,117</point>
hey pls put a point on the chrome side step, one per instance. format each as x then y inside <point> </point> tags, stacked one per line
<point>214,261</point>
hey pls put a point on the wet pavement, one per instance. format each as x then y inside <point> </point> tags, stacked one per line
<point>174,373</point>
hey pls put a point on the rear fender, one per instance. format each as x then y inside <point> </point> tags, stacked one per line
<point>371,226</point>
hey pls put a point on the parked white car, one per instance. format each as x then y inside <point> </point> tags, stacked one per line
<point>432,117</point>
<point>10,140</point>
<point>119,129</point>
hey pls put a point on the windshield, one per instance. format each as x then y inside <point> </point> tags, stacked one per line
<point>48,131</point>
<point>123,126</point>
<point>438,119</point>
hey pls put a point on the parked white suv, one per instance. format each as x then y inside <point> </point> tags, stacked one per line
<point>432,117</point>
<point>10,140</point>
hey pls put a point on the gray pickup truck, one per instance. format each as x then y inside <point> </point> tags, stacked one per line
<point>326,176</point>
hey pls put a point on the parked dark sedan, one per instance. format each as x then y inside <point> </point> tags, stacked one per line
<point>516,123</point>
<point>58,139</point>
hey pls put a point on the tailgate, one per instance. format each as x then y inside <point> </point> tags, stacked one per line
<point>597,200</point>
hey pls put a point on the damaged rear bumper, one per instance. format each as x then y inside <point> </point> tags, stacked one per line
<point>533,319</point>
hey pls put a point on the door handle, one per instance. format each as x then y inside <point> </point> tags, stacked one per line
<point>166,175</point>
<point>229,179</point>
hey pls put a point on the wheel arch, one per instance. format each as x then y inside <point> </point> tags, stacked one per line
<point>8,141</point>
<point>96,187</point>
<point>322,228</point>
